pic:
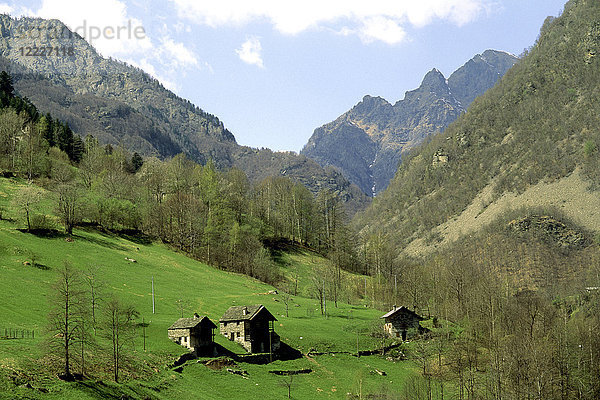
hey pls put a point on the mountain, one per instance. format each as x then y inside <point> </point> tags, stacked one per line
<point>527,148</point>
<point>367,142</point>
<point>170,124</point>
<point>122,105</point>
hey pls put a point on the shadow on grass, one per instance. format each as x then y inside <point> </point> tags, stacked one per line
<point>279,246</point>
<point>135,236</point>
<point>44,233</point>
<point>284,353</point>
<point>132,235</point>
<point>99,390</point>
<point>288,353</point>
<point>102,242</point>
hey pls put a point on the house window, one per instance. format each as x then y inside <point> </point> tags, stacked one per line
<point>238,334</point>
<point>224,324</point>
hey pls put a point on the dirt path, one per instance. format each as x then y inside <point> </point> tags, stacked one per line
<point>312,360</point>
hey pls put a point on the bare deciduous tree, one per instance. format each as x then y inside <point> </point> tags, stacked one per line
<point>95,287</point>
<point>26,199</point>
<point>66,319</point>
<point>119,329</point>
<point>286,298</point>
<point>68,206</point>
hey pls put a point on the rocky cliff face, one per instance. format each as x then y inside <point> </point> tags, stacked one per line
<point>366,143</point>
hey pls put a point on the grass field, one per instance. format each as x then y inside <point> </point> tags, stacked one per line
<point>24,303</point>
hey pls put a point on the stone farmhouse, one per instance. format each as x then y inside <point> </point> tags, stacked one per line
<point>196,333</point>
<point>402,323</point>
<point>250,326</point>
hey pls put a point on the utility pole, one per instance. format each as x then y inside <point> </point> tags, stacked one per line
<point>153,308</point>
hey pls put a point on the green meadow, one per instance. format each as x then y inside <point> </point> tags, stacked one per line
<point>29,266</point>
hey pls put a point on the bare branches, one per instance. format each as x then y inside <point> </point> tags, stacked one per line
<point>66,320</point>
<point>119,324</point>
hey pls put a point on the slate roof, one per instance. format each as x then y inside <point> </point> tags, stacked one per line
<point>236,313</point>
<point>404,309</point>
<point>189,323</point>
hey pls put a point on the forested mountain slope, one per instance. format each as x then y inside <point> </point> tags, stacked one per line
<point>539,124</point>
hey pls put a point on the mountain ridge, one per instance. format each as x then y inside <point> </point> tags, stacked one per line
<point>390,130</point>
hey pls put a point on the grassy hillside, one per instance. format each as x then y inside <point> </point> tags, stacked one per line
<point>300,264</point>
<point>25,292</point>
<point>537,125</point>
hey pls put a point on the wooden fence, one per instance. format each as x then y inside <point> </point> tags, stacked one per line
<point>17,333</point>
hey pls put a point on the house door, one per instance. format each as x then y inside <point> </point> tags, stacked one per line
<point>232,337</point>
<point>403,335</point>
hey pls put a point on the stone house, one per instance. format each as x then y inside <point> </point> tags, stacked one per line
<point>402,323</point>
<point>196,333</point>
<point>250,326</point>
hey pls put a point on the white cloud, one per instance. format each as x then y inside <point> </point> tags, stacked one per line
<point>180,27</point>
<point>359,16</point>
<point>209,67</point>
<point>177,53</point>
<point>383,29</point>
<point>251,52</point>
<point>5,8</point>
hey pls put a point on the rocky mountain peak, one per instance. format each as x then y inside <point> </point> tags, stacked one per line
<point>369,105</point>
<point>367,142</point>
<point>371,102</point>
<point>474,78</point>
<point>434,80</point>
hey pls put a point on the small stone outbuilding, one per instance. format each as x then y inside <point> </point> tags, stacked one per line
<point>402,323</point>
<point>250,326</point>
<point>196,333</point>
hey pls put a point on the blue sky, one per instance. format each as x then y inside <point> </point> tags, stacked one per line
<point>274,70</point>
